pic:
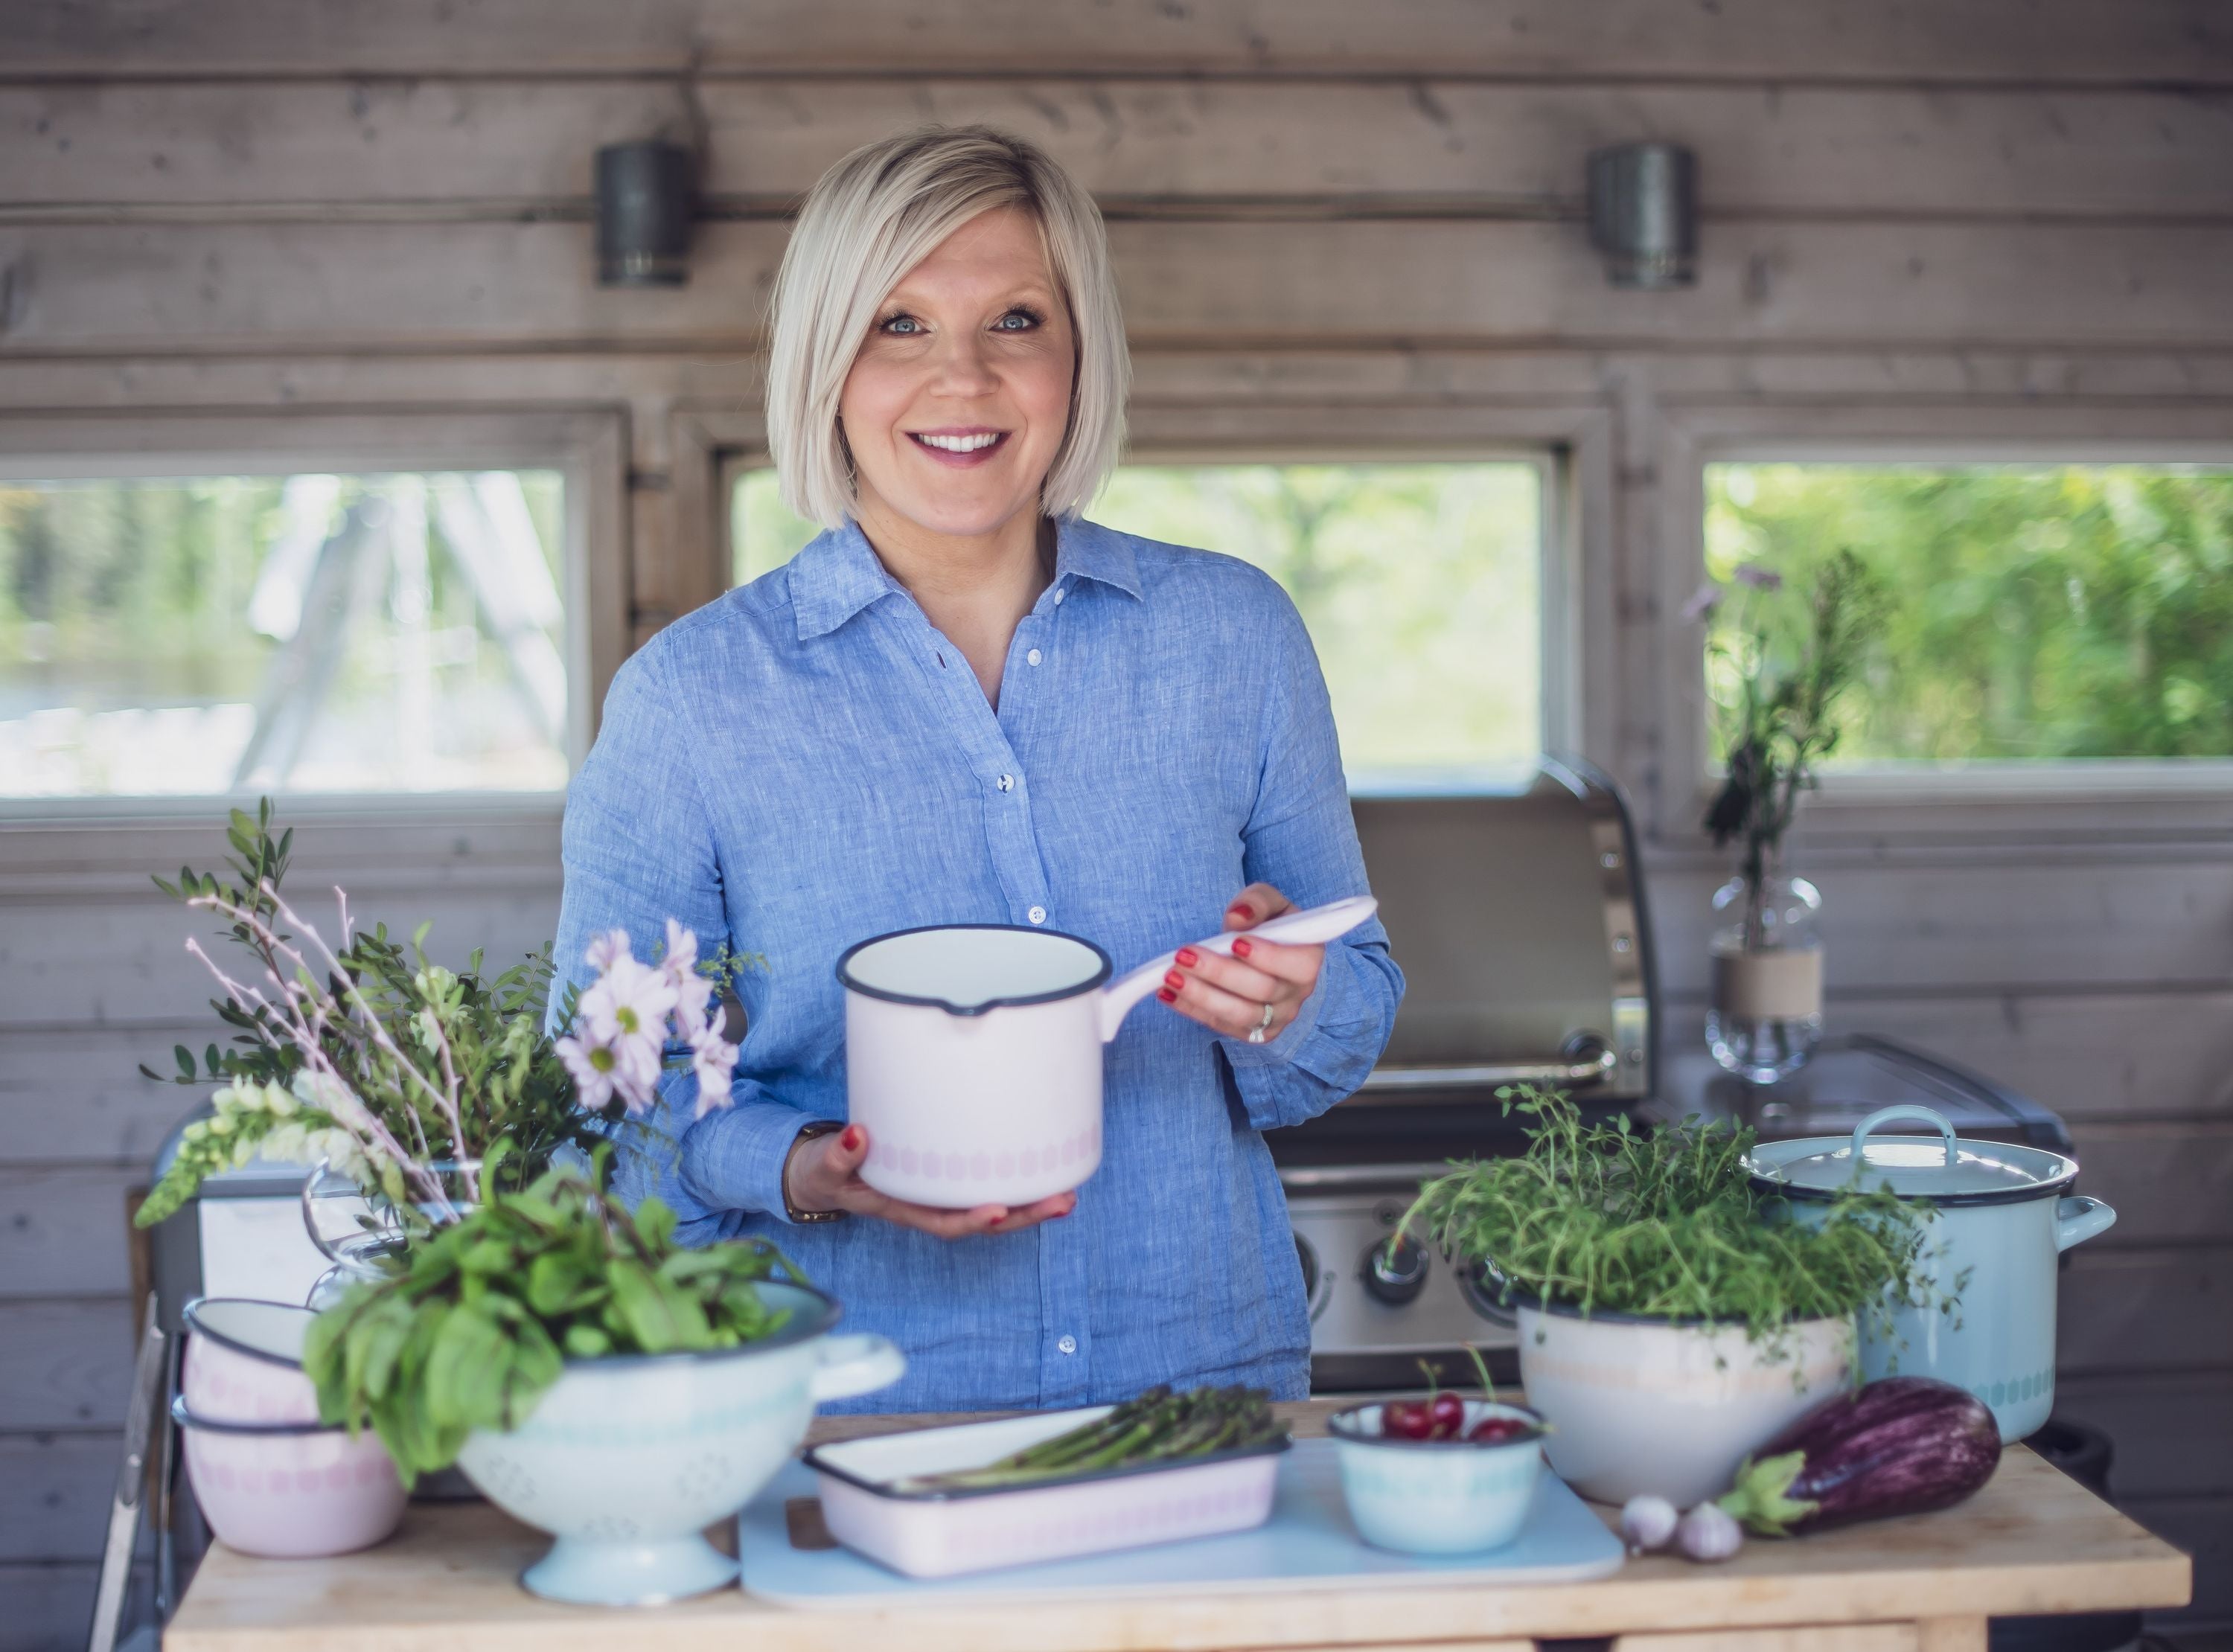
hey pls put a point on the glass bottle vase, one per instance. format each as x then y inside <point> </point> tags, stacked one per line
<point>1765,1017</point>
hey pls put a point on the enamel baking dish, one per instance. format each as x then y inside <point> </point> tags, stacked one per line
<point>942,1534</point>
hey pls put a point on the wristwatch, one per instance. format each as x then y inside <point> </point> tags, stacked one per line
<point>807,1133</point>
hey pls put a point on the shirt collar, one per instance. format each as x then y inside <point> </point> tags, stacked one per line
<point>839,574</point>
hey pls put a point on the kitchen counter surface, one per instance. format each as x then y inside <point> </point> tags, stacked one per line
<point>2033,1540</point>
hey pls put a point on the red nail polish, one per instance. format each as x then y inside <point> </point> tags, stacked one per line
<point>1241,949</point>
<point>997,1220</point>
<point>1188,958</point>
<point>850,1141</point>
<point>1173,979</point>
<point>1243,908</point>
<point>1167,996</point>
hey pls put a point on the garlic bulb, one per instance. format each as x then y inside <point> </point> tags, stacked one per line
<point>1646,1523</point>
<point>1709,1533</point>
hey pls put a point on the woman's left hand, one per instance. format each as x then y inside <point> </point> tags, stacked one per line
<point>1231,995</point>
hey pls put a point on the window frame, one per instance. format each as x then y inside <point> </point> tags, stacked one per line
<point>2124,799</point>
<point>587,449</point>
<point>1570,444</point>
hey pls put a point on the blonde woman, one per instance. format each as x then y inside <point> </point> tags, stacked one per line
<point>963,703</point>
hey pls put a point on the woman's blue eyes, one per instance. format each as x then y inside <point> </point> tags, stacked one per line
<point>1016,320</point>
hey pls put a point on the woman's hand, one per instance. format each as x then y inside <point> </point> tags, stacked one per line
<point>1230,995</point>
<point>824,1174</point>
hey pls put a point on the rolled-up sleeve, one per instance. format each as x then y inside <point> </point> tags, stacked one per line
<point>639,848</point>
<point>1301,838</point>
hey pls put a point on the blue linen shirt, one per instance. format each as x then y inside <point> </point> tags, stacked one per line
<point>808,762</point>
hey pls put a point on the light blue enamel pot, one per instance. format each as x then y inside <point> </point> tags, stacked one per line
<point>2001,1216</point>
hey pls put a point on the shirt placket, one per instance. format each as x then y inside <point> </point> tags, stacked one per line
<point>1065,1350</point>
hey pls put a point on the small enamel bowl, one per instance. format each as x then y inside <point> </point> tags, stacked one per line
<point>243,1362</point>
<point>1437,1496</point>
<point>291,1490</point>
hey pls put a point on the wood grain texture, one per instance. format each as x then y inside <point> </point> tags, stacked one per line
<point>64,1364</point>
<point>255,286</point>
<point>73,1093</point>
<point>46,1607</point>
<point>502,148</point>
<point>1821,1637</point>
<point>2182,42</point>
<point>63,1229</point>
<point>2031,1540</point>
<point>59,1491</point>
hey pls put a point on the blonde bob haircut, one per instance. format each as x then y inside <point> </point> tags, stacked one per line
<point>875,216</point>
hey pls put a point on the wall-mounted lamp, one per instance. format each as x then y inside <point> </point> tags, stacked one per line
<point>1644,213</point>
<point>646,195</point>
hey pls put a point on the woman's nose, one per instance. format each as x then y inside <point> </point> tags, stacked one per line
<point>964,369</point>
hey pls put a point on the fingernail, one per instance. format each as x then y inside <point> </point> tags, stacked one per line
<point>1173,980</point>
<point>997,1220</point>
<point>1167,996</point>
<point>1241,949</point>
<point>1188,958</point>
<point>1243,907</point>
<point>852,1139</point>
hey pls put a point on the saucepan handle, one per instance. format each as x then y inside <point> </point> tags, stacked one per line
<point>1885,1115</point>
<point>2079,1219</point>
<point>854,1364</point>
<point>1312,927</point>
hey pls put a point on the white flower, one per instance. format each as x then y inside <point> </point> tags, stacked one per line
<point>713,1058</point>
<point>692,992</point>
<point>604,948</point>
<point>630,1000</point>
<point>591,1065</point>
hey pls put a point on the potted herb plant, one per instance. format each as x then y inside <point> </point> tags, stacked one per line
<point>1775,676</point>
<point>593,1378</point>
<point>1671,1315</point>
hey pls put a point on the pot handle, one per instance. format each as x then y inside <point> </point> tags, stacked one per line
<point>1905,1110</point>
<point>854,1364</point>
<point>1312,927</point>
<point>2079,1219</point>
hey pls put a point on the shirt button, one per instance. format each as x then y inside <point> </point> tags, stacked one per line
<point>1038,915</point>
<point>1058,594</point>
<point>1006,783</point>
<point>1032,658</point>
<point>1068,1344</point>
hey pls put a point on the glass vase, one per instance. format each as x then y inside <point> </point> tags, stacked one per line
<point>365,1236</point>
<point>1765,1017</point>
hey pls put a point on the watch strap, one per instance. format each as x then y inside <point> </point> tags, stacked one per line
<point>807,1133</point>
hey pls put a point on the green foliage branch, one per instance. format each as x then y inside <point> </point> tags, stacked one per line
<point>479,1321</point>
<point>1777,701</point>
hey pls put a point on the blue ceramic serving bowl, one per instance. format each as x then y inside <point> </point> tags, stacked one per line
<point>1437,1496</point>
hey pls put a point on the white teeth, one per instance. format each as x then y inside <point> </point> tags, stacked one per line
<point>961,443</point>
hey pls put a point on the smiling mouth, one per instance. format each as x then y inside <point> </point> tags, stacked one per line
<point>964,445</point>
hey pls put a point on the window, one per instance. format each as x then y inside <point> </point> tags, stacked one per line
<point>307,633</point>
<point>1421,585</point>
<point>2040,611</point>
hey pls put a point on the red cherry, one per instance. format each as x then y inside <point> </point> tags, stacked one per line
<point>1406,1421</point>
<point>1495,1431</point>
<point>1448,1414</point>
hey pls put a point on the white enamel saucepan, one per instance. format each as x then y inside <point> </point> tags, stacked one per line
<point>972,1051</point>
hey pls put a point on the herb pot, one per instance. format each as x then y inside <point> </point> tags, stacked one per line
<point>2002,1215</point>
<point>1437,1496</point>
<point>289,1490</point>
<point>1669,1407</point>
<point>973,1052</point>
<point>627,1460</point>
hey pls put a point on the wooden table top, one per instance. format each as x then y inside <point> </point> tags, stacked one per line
<point>2033,1540</point>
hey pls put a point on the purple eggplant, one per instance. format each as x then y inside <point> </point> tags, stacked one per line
<point>1899,1446</point>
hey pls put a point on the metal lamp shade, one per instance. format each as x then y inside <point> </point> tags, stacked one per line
<point>645,201</point>
<point>1644,213</point>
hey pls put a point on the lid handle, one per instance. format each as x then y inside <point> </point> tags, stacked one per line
<point>1905,1111</point>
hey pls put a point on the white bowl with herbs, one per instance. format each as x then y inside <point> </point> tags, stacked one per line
<point>1671,1315</point>
<point>593,1380</point>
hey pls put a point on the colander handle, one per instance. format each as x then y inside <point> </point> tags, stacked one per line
<point>1905,1111</point>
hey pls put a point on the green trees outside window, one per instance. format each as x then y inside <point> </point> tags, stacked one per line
<point>2040,611</point>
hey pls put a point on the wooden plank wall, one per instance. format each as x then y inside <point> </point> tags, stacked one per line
<point>1335,224</point>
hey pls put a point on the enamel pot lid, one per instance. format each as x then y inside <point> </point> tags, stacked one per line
<point>1941,1168</point>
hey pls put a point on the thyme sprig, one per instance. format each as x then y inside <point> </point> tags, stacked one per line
<point>1602,1218</point>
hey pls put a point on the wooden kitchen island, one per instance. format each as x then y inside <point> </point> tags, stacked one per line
<point>2032,1541</point>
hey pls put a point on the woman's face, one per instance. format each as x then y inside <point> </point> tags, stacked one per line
<point>960,393</point>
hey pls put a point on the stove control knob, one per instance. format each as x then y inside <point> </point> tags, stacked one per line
<point>1395,1280</point>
